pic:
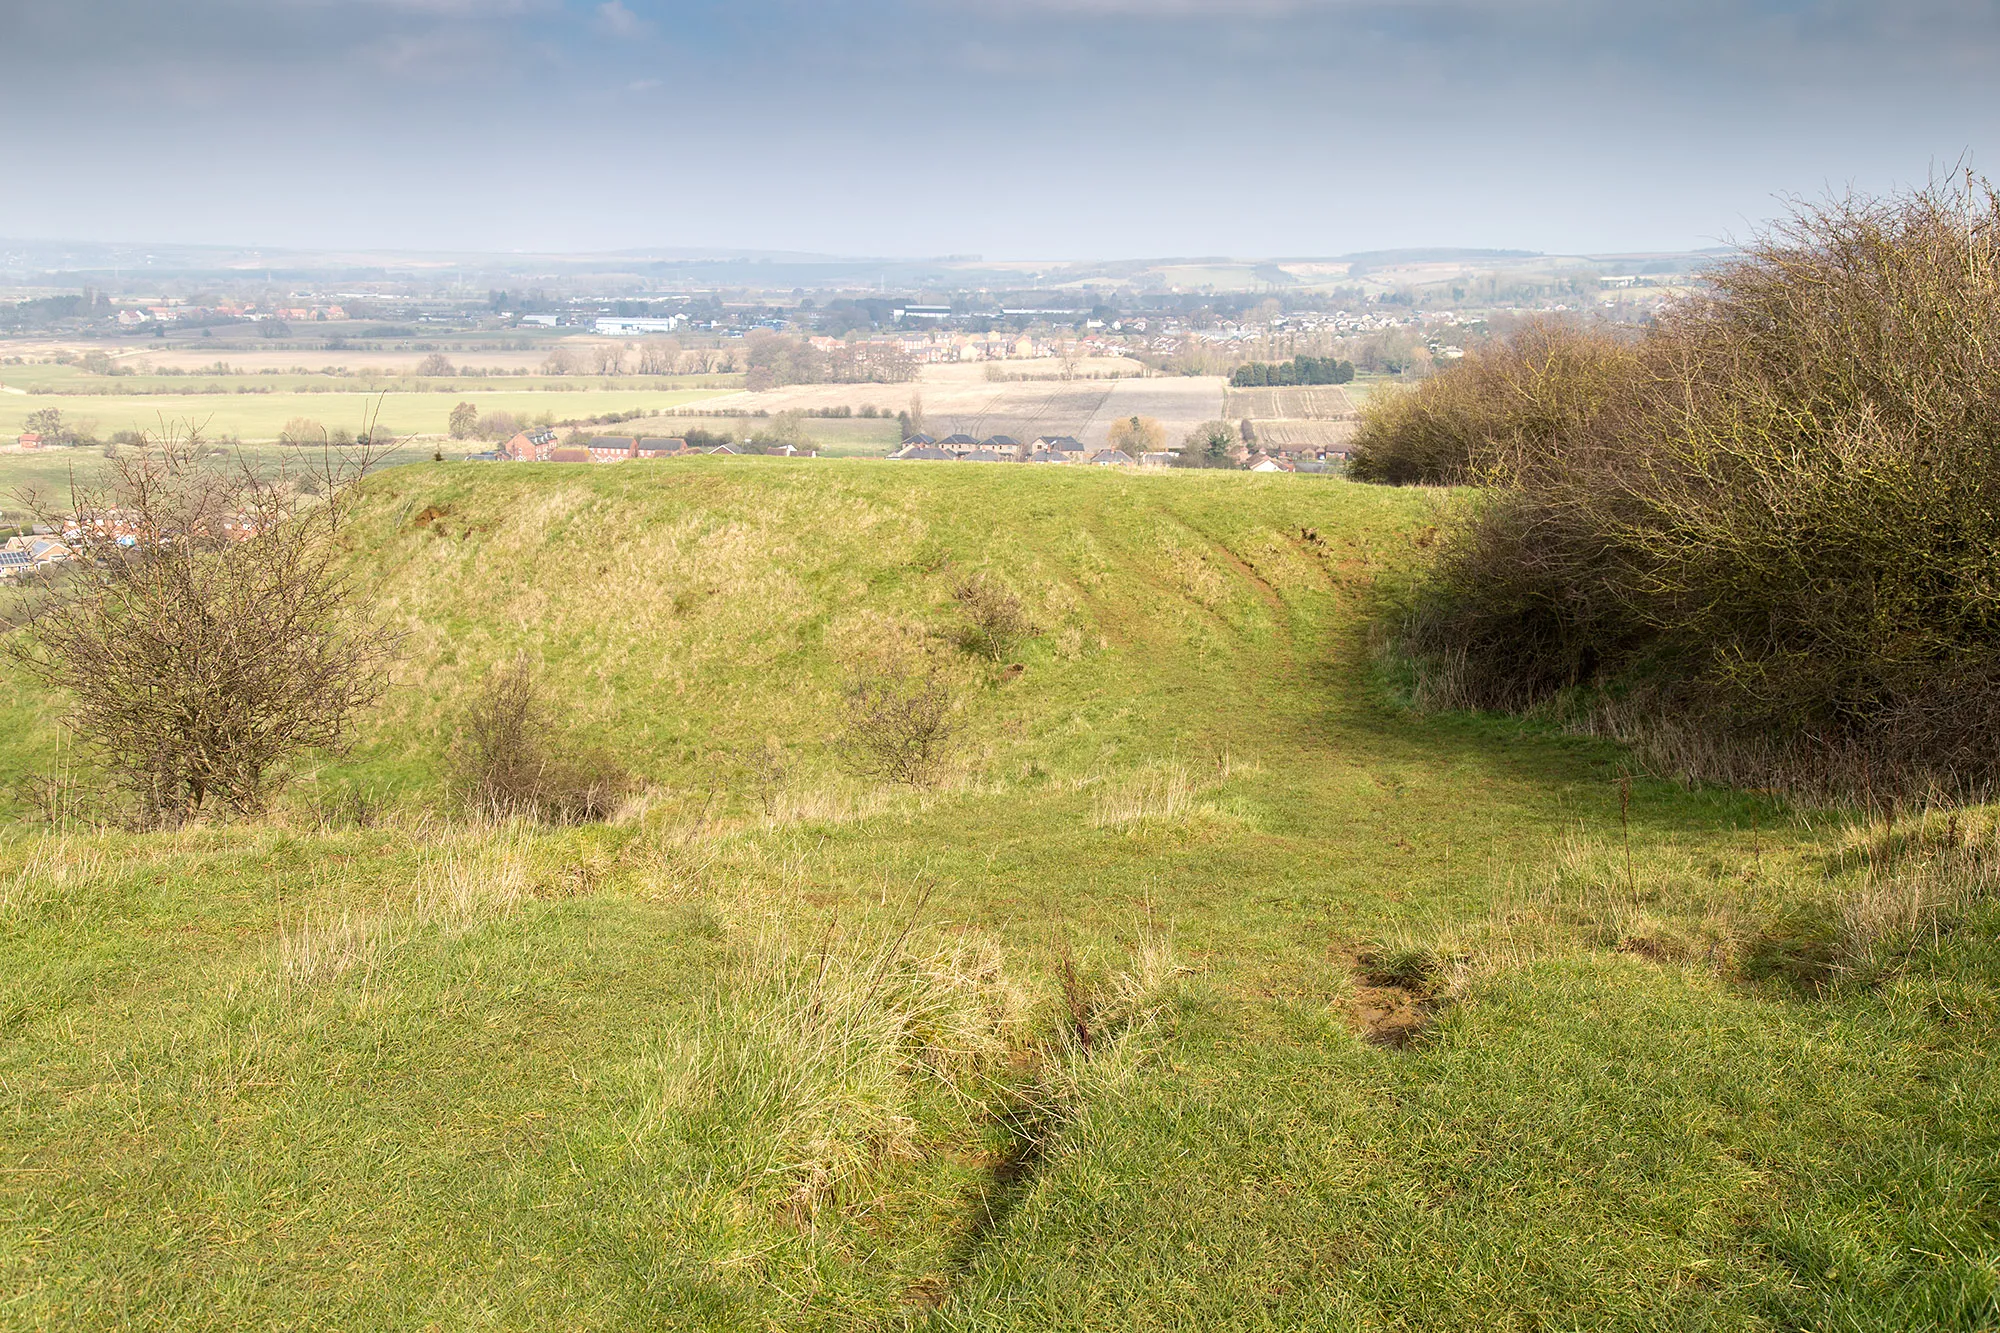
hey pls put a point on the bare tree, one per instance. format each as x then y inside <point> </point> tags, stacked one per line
<point>610,359</point>
<point>204,630</point>
<point>437,363</point>
<point>900,725</point>
<point>1138,435</point>
<point>657,356</point>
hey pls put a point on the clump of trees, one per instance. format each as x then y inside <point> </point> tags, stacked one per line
<point>1298,370</point>
<point>1212,444</point>
<point>1772,541</point>
<point>203,632</point>
<point>1138,435</point>
<point>773,359</point>
<point>1505,402</point>
<point>57,429</point>
<point>302,433</point>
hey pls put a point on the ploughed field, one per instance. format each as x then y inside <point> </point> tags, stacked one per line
<point>1205,987</point>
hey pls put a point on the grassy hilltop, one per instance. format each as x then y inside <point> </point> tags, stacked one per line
<point>1209,987</point>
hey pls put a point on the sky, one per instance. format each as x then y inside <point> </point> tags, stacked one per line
<point>1032,129</point>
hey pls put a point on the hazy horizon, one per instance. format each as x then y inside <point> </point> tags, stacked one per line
<point>1017,130</point>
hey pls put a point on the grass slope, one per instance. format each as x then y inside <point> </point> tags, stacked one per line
<point>782,1049</point>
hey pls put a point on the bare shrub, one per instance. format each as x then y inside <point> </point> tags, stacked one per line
<point>204,631</point>
<point>901,724</point>
<point>302,433</point>
<point>1769,534</point>
<point>995,621</point>
<point>1475,421</point>
<point>513,756</point>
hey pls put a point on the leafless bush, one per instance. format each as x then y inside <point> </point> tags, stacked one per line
<point>996,622</point>
<point>203,631</point>
<point>1475,421</point>
<point>514,757</point>
<point>900,725</point>
<point>1779,530</point>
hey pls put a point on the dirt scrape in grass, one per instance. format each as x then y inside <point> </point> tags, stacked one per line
<point>1383,1010</point>
<point>1388,1015</point>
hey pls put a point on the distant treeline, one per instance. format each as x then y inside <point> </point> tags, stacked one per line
<point>1298,370</point>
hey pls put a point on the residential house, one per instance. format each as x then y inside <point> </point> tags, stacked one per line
<point>730,449</point>
<point>958,443</point>
<point>1044,456</point>
<point>1110,458</point>
<point>613,448</point>
<point>926,453</point>
<point>570,453</point>
<point>1062,444</point>
<point>1005,444</point>
<point>1265,463</point>
<point>18,555</point>
<point>530,446</point>
<point>663,447</point>
<point>1156,460</point>
<point>29,440</point>
<point>919,440</point>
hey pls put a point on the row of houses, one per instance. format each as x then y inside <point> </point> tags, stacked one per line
<point>1067,449</point>
<point>963,448</point>
<point>539,446</point>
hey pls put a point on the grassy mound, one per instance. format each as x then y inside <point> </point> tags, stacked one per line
<point>1201,988</point>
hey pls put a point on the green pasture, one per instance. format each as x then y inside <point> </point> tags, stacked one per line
<point>1207,987</point>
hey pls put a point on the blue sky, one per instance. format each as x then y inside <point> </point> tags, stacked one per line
<point>1010,128</point>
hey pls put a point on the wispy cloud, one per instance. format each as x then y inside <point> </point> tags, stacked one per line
<point>613,19</point>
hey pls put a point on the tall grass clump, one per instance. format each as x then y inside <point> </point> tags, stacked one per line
<point>1774,546</point>
<point>1475,421</point>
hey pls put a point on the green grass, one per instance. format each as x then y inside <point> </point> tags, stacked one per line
<point>780,1049</point>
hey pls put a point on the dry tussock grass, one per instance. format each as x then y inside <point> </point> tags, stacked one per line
<point>1157,792</point>
<point>56,864</point>
<point>799,1075</point>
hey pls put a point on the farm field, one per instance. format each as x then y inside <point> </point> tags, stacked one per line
<point>837,437</point>
<point>1313,435</point>
<point>307,377</point>
<point>1308,403</point>
<point>260,416</point>
<point>1208,986</point>
<point>960,398</point>
<point>397,356</point>
<point>1311,417</point>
